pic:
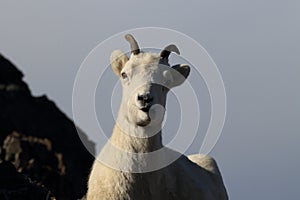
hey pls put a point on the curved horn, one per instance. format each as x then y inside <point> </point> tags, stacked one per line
<point>167,50</point>
<point>133,44</point>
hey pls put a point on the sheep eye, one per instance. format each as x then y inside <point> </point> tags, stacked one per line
<point>124,75</point>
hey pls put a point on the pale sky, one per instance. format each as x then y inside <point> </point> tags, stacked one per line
<point>254,43</point>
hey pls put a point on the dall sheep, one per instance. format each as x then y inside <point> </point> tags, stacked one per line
<point>125,168</point>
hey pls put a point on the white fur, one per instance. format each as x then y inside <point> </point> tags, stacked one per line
<point>193,177</point>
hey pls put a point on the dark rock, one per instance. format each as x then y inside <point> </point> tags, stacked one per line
<point>41,141</point>
<point>14,185</point>
<point>11,77</point>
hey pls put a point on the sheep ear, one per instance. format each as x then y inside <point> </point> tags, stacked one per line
<point>179,72</point>
<point>117,60</point>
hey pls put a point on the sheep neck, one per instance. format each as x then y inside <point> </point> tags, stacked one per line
<point>133,138</point>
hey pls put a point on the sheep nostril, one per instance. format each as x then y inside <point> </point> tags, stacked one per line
<point>148,99</point>
<point>145,98</point>
<point>140,97</point>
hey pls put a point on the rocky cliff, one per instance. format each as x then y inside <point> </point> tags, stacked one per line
<point>39,140</point>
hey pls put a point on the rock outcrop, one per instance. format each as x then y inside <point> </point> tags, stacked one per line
<point>40,140</point>
<point>15,186</point>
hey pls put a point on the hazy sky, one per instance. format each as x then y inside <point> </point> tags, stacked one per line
<point>254,43</point>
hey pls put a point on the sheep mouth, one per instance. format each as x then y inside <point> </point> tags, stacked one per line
<point>145,109</point>
<point>144,123</point>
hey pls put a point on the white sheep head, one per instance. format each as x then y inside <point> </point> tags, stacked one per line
<point>146,79</point>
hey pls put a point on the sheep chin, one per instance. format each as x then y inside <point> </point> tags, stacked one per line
<point>143,118</point>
